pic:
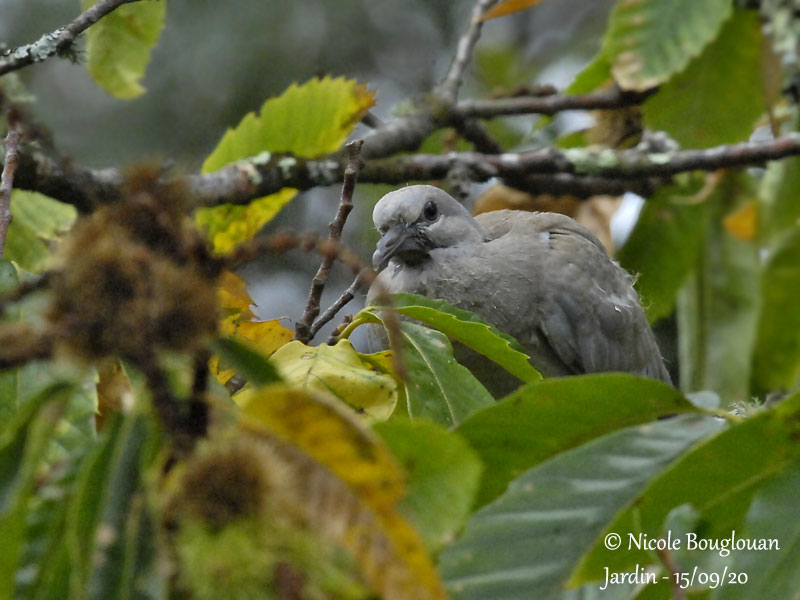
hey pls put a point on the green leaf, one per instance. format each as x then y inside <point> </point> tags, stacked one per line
<point>648,41</point>
<point>593,76</point>
<point>340,371</point>
<point>49,218</point>
<point>526,543</point>
<point>664,245</point>
<point>717,478</point>
<point>25,247</point>
<point>9,402</point>
<point>772,515</point>
<point>9,278</point>
<point>115,540</point>
<point>43,564</point>
<point>443,477</point>
<point>119,45</point>
<point>438,388</point>
<point>84,509</point>
<point>718,307</point>
<point>250,363</point>
<point>469,329</point>
<point>776,356</point>
<point>779,209</point>
<point>540,420</point>
<point>24,446</point>
<point>38,221</point>
<point>307,120</point>
<point>16,440</point>
<point>723,85</point>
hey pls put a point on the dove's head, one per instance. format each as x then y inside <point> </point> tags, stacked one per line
<point>417,219</point>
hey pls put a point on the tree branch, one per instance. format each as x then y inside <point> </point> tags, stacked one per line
<point>575,171</point>
<point>11,145</point>
<point>303,327</point>
<point>448,88</point>
<point>609,99</point>
<point>20,344</point>
<point>59,40</point>
<point>340,303</point>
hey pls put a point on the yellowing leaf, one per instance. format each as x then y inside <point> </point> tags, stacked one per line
<point>263,336</point>
<point>341,371</point>
<point>354,497</point>
<point>234,299</point>
<point>119,45</point>
<point>743,222</point>
<point>307,120</point>
<point>238,321</point>
<point>228,224</point>
<point>506,8</point>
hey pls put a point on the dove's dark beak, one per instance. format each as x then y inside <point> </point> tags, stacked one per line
<point>404,241</point>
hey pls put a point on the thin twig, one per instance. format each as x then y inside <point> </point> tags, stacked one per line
<point>59,40</point>
<point>11,145</point>
<point>282,242</point>
<point>340,303</point>
<point>609,99</point>
<point>303,331</point>
<point>448,88</point>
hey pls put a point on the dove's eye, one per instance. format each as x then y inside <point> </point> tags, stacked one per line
<point>430,211</point>
<point>383,229</point>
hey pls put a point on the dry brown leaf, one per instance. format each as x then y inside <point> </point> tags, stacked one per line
<point>507,7</point>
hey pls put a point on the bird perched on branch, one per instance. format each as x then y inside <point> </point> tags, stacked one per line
<point>540,277</point>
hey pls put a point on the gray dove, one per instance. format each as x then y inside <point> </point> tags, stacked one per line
<point>540,277</point>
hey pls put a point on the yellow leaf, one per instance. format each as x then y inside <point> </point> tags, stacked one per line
<point>238,320</point>
<point>506,8</point>
<point>264,336</point>
<point>341,371</point>
<point>233,295</point>
<point>743,222</point>
<point>362,514</point>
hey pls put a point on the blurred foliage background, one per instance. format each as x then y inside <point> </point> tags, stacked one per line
<point>133,461</point>
<point>213,64</point>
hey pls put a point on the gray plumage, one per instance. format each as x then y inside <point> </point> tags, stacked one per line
<point>540,277</point>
